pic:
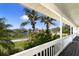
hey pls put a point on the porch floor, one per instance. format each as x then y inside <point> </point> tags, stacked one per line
<point>72,49</point>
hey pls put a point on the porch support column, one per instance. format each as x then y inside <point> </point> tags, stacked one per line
<point>60,27</point>
<point>71,30</point>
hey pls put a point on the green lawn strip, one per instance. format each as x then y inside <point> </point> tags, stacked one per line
<point>19,44</point>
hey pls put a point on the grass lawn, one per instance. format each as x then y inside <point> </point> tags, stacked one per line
<point>20,44</point>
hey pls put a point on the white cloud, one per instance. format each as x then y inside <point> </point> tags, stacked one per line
<point>24,17</point>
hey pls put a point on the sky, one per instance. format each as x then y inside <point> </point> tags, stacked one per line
<point>14,14</point>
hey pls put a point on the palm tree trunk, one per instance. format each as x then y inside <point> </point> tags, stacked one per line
<point>47,30</point>
<point>33,26</point>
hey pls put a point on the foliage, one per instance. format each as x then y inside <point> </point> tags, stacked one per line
<point>55,30</point>
<point>33,17</point>
<point>5,40</point>
<point>47,21</point>
<point>56,36</point>
<point>66,29</point>
<point>15,50</point>
<point>19,33</point>
<point>37,38</point>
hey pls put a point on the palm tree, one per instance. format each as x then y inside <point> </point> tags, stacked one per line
<point>33,17</point>
<point>47,21</point>
<point>3,25</point>
<point>5,40</point>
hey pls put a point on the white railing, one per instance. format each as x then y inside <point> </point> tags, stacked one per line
<point>52,48</point>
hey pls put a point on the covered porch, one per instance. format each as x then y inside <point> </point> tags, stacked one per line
<point>63,46</point>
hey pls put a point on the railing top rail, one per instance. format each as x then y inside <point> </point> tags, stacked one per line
<point>38,48</point>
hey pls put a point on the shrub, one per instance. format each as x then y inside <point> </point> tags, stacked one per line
<point>56,36</point>
<point>37,38</point>
<point>15,50</point>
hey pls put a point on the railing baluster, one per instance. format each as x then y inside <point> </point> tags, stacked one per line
<point>46,52</point>
<point>53,50</point>
<point>39,54</point>
<point>43,52</point>
<point>49,51</point>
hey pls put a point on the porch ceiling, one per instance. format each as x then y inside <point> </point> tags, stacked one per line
<point>71,10</point>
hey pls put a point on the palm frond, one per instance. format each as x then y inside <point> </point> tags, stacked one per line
<point>2,20</point>
<point>52,23</point>
<point>25,23</point>
<point>8,25</point>
<point>26,10</point>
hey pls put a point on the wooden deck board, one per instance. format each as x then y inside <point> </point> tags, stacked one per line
<point>72,49</point>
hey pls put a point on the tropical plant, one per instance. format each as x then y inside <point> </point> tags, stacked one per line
<point>37,38</point>
<point>66,29</point>
<point>47,21</point>
<point>33,17</point>
<point>5,39</point>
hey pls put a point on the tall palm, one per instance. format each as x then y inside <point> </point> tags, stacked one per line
<point>5,41</point>
<point>3,25</point>
<point>33,17</point>
<point>47,21</point>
